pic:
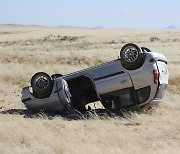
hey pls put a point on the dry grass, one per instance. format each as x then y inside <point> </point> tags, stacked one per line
<point>26,50</point>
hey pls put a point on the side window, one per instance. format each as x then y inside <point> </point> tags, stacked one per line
<point>143,94</point>
<point>117,99</point>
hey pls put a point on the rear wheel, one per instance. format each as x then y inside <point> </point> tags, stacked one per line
<point>131,56</point>
<point>41,84</point>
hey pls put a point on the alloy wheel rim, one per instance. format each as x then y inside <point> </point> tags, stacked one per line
<point>130,54</point>
<point>41,82</point>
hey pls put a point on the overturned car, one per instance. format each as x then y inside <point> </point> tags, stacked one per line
<point>136,78</point>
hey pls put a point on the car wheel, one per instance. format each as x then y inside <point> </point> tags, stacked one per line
<point>131,56</point>
<point>41,84</point>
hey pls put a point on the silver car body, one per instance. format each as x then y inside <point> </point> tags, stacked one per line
<point>110,83</point>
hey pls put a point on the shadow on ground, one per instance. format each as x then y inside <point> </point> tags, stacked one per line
<point>89,114</point>
<point>85,115</point>
<point>92,114</point>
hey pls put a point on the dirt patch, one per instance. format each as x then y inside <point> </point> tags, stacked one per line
<point>10,96</point>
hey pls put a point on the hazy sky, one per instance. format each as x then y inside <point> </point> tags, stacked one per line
<point>91,13</point>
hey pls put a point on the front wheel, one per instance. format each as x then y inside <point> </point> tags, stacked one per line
<point>41,84</point>
<point>131,56</point>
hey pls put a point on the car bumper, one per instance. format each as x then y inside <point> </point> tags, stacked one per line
<point>55,102</point>
<point>160,92</point>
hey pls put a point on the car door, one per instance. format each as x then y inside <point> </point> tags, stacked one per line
<point>113,82</point>
<point>111,77</point>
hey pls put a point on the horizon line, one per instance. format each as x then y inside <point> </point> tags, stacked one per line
<point>94,27</point>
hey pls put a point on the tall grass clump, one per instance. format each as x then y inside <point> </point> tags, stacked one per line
<point>154,39</point>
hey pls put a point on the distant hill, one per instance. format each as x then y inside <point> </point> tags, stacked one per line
<point>21,25</point>
<point>64,26</point>
<point>171,27</point>
<point>98,27</point>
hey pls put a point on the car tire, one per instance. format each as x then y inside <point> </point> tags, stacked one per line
<point>131,56</point>
<point>41,84</point>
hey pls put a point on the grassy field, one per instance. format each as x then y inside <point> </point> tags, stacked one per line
<point>25,50</point>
